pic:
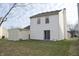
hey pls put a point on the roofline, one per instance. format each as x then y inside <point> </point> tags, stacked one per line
<point>37,15</point>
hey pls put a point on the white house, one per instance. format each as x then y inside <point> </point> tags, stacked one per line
<point>3,32</point>
<point>19,34</point>
<point>49,25</point>
<point>76,28</point>
<point>43,26</point>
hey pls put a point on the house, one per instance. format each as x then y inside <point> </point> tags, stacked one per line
<point>77,25</point>
<point>3,33</point>
<point>49,25</point>
<point>19,34</point>
<point>43,26</point>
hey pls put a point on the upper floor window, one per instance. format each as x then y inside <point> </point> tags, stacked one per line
<point>47,20</point>
<point>38,21</point>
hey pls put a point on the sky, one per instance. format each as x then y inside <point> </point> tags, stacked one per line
<point>19,15</point>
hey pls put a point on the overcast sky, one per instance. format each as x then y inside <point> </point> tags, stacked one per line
<point>19,16</point>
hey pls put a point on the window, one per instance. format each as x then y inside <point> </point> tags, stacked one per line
<point>47,20</point>
<point>38,21</point>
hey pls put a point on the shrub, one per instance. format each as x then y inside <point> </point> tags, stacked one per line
<point>20,39</point>
<point>3,37</point>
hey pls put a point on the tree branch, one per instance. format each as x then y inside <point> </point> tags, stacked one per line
<point>3,19</point>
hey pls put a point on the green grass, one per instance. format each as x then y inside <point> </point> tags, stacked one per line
<point>36,48</point>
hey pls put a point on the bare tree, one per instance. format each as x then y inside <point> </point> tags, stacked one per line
<point>3,19</point>
<point>72,31</point>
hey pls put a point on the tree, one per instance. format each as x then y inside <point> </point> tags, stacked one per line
<point>3,19</point>
<point>72,31</point>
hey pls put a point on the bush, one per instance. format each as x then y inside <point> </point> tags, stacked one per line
<point>20,39</point>
<point>3,37</point>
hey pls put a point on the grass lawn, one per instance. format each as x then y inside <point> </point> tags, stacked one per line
<point>37,48</point>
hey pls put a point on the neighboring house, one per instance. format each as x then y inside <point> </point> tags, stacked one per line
<point>78,16</point>
<point>19,34</point>
<point>77,26</point>
<point>3,33</point>
<point>49,25</point>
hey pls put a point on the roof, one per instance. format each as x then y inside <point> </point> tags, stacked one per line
<point>28,27</point>
<point>25,28</point>
<point>46,13</point>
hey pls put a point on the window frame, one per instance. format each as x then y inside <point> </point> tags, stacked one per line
<point>38,21</point>
<point>47,20</point>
